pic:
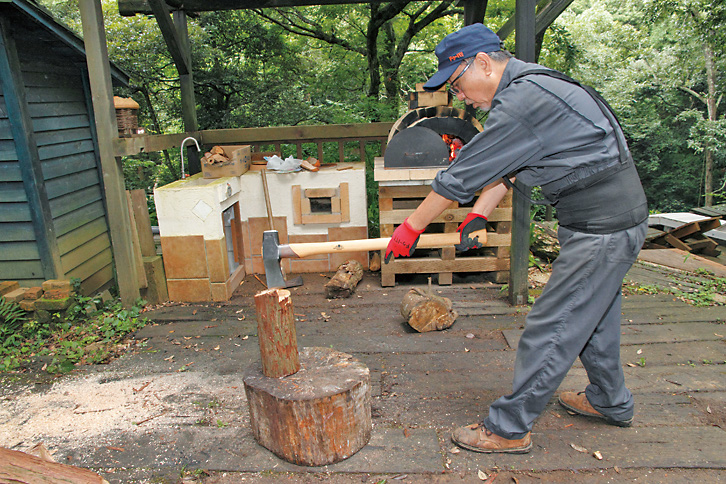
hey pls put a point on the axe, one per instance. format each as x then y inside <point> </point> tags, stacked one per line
<point>272,251</point>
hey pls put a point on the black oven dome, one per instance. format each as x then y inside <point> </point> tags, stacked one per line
<point>417,116</point>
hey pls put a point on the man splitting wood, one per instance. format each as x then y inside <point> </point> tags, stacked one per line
<point>546,130</point>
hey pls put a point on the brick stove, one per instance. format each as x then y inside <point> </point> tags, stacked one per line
<point>211,229</point>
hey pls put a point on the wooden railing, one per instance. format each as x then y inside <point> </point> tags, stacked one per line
<point>261,138</point>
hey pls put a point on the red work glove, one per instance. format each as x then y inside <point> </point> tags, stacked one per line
<point>472,223</point>
<point>403,241</point>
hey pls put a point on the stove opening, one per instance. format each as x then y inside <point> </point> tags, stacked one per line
<point>321,205</point>
<point>454,143</point>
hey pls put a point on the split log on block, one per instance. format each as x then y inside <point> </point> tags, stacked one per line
<point>318,416</point>
<point>344,282</point>
<point>276,333</point>
<point>426,311</point>
<point>19,467</point>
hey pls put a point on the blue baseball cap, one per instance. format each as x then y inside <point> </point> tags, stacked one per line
<point>462,44</point>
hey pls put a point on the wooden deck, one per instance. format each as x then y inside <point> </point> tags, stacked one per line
<point>423,385</point>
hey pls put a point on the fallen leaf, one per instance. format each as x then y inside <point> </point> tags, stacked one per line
<point>578,448</point>
<point>482,475</point>
<point>616,469</point>
<point>597,455</point>
<point>569,425</point>
<point>194,312</point>
<point>405,432</point>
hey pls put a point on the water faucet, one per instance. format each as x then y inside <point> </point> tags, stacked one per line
<point>183,175</point>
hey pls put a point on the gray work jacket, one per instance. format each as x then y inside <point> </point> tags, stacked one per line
<point>541,128</point>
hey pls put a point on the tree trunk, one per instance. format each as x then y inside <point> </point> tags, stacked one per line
<point>318,416</point>
<point>711,110</point>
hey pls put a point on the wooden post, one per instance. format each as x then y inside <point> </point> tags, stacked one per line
<point>525,50</point>
<point>186,81</point>
<point>99,73</point>
<point>276,333</point>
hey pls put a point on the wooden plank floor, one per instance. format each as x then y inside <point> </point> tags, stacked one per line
<point>423,386</point>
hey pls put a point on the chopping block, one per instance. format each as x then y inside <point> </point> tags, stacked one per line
<point>310,407</point>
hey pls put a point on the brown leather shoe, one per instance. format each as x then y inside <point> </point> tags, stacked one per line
<point>478,438</point>
<point>578,403</point>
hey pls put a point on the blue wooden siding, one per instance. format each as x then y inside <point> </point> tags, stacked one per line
<point>19,257</point>
<point>57,104</point>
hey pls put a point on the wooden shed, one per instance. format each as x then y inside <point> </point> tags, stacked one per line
<point>53,218</point>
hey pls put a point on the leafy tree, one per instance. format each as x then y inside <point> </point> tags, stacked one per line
<point>646,72</point>
<point>380,33</point>
<point>704,24</point>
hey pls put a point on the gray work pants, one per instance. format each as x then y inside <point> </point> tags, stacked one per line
<point>578,314</point>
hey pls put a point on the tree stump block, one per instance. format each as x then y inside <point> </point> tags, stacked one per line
<point>426,311</point>
<point>317,416</point>
<point>276,333</point>
<point>344,282</point>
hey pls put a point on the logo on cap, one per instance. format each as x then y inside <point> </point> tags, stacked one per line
<point>452,58</point>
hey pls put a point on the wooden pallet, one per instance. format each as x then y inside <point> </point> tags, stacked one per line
<point>396,202</point>
<point>689,237</point>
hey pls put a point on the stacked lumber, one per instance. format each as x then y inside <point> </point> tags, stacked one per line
<point>689,237</point>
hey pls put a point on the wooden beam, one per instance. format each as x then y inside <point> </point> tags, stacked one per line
<point>117,211</point>
<point>474,11</point>
<point>21,127</point>
<point>548,14</point>
<point>549,10</point>
<point>172,38</point>
<point>333,132</point>
<point>518,283</point>
<point>132,7</point>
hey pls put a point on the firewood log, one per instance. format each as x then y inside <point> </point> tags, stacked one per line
<point>20,467</point>
<point>426,311</point>
<point>344,282</point>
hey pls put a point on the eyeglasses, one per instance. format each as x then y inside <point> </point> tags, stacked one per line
<point>453,90</point>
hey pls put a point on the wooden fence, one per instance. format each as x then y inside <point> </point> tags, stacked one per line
<point>262,138</point>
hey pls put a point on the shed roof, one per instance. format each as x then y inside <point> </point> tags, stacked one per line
<point>34,17</point>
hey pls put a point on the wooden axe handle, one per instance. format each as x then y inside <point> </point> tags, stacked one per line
<point>425,241</point>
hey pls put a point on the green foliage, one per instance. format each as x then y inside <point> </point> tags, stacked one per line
<point>11,320</point>
<point>89,332</point>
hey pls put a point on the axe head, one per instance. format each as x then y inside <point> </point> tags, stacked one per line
<point>271,259</point>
